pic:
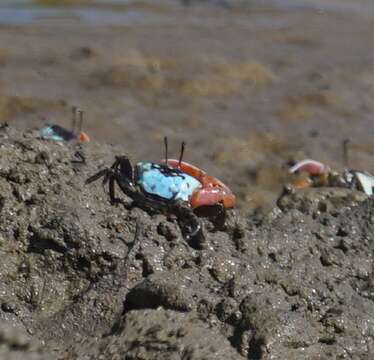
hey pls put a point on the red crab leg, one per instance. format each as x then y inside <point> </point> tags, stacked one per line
<point>187,168</point>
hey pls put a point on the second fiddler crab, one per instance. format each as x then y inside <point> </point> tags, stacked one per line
<point>169,186</point>
<point>319,174</point>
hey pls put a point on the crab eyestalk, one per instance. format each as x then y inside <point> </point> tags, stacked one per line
<point>181,154</point>
<point>166,149</point>
<point>345,153</point>
<point>73,118</point>
<point>82,136</point>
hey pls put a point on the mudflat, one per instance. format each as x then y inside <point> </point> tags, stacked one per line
<point>249,86</point>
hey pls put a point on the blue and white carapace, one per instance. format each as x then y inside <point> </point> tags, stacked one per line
<point>164,182</point>
<point>58,133</point>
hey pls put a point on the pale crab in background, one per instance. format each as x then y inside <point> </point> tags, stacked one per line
<point>317,174</point>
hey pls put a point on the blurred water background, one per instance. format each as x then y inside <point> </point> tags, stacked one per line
<point>109,11</point>
<point>249,84</point>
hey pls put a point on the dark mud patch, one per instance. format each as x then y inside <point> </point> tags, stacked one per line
<point>82,279</point>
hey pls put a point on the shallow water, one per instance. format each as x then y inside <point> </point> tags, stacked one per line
<point>106,13</point>
<point>22,12</point>
<point>26,14</point>
<point>357,7</point>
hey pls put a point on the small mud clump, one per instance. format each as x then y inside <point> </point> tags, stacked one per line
<point>84,279</point>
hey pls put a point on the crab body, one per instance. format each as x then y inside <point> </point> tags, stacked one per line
<point>156,188</point>
<point>359,180</point>
<point>56,133</point>
<point>161,181</point>
<point>60,134</point>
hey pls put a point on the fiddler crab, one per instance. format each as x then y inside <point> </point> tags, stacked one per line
<point>170,186</point>
<point>319,174</point>
<point>60,134</point>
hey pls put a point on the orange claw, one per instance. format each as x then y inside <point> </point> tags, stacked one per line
<point>213,191</point>
<point>83,137</point>
<point>213,195</point>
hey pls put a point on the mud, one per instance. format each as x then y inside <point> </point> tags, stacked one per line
<point>84,279</point>
<point>249,85</point>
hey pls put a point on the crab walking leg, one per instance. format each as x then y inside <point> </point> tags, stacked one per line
<point>112,194</point>
<point>189,222</point>
<point>97,176</point>
<point>309,166</point>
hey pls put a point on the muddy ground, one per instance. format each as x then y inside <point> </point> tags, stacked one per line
<point>83,279</point>
<point>249,88</point>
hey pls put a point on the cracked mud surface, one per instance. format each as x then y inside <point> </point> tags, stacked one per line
<point>82,279</point>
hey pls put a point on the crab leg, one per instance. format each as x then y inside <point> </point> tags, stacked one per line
<point>97,176</point>
<point>189,222</point>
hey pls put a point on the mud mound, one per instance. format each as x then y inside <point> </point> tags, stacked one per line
<point>90,280</point>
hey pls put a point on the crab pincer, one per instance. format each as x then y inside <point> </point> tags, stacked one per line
<point>212,191</point>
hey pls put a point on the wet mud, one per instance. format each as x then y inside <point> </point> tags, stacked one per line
<point>84,279</point>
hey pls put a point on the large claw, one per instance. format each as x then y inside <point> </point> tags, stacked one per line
<point>312,167</point>
<point>213,191</point>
